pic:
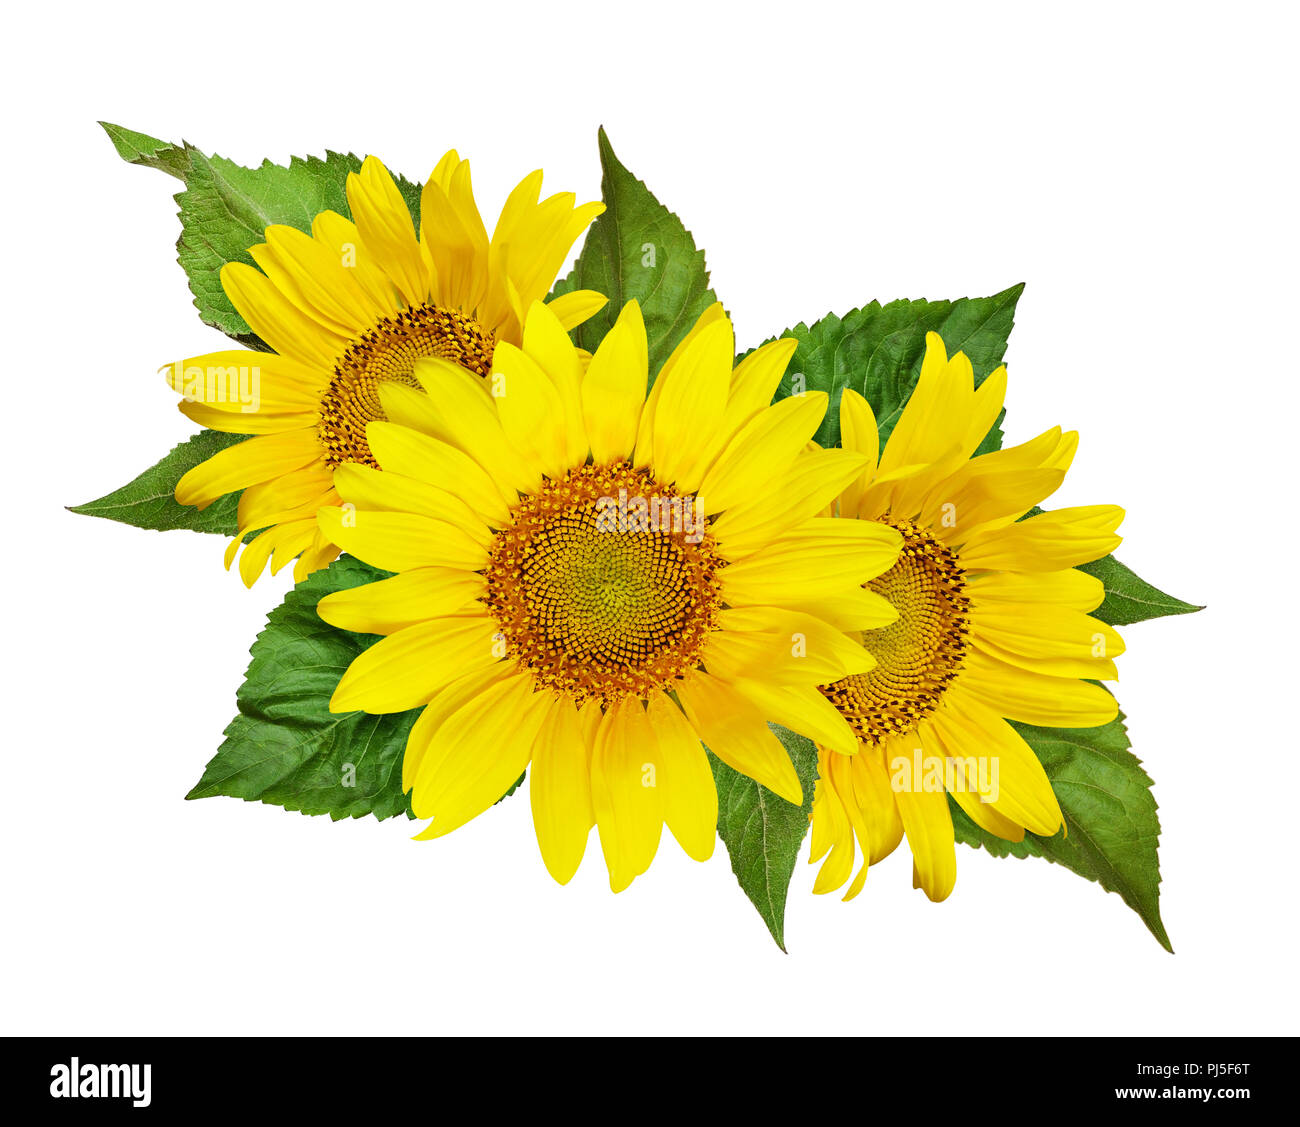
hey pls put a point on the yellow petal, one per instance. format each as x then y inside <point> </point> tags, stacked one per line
<point>423,753</point>
<point>935,417</point>
<point>452,236</point>
<point>405,451</point>
<point>756,380</point>
<point>956,511</point>
<point>401,541</point>
<point>247,463</point>
<point>403,600</point>
<point>480,750</point>
<point>1035,698</point>
<point>802,709</point>
<point>385,225</point>
<point>531,410</point>
<point>577,306</point>
<point>467,418</point>
<point>549,346</point>
<point>1069,588</point>
<point>690,796</point>
<point>691,402</point>
<point>736,731</point>
<point>987,750</point>
<point>342,239</point>
<point>383,490</point>
<point>559,787</point>
<point>831,833</point>
<point>293,496</point>
<point>307,272</point>
<point>625,791</point>
<point>613,390</point>
<point>858,432</point>
<point>1047,542</point>
<point>808,487</point>
<point>644,453</point>
<point>235,381</point>
<point>254,422</point>
<point>1049,639</point>
<point>406,669</point>
<point>927,824</point>
<point>276,319</point>
<point>825,555</point>
<point>782,645</point>
<point>762,451</point>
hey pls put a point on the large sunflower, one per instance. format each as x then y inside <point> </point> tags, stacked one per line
<point>347,309</point>
<point>992,624</point>
<point>593,580</point>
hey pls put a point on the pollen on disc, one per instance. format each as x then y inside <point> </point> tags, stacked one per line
<point>600,607</point>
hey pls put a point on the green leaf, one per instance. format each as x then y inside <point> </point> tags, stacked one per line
<point>285,747</point>
<point>877,351</point>
<point>1110,816</point>
<point>225,208</point>
<point>763,832</point>
<point>140,148</point>
<point>513,787</point>
<point>1130,598</point>
<point>149,500</point>
<point>639,249</point>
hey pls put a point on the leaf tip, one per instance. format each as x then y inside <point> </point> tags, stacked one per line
<point>608,158</point>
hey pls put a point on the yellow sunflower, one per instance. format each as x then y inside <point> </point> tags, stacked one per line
<point>992,624</point>
<point>591,580</point>
<point>348,309</point>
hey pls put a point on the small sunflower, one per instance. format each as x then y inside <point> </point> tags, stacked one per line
<point>992,624</point>
<point>591,580</point>
<point>346,310</point>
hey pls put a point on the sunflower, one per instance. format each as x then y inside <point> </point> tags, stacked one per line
<point>591,580</point>
<point>992,625</point>
<point>346,310</point>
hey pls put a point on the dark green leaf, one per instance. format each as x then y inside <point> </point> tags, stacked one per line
<point>1129,598</point>
<point>149,501</point>
<point>285,747</point>
<point>225,208</point>
<point>877,351</point>
<point>1110,816</point>
<point>763,832</point>
<point>639,249</point>
<point>514,787</point>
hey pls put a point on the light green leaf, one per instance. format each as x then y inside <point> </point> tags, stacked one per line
<point>1130,598</point>
<point>877,351</point>
<point>149,501</point>
<point>762,831</point>
<point>639,249</point>
<point>1110,816</point>
<point>225,208</point>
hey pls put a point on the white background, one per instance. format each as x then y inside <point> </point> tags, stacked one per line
<point>1135,164</point>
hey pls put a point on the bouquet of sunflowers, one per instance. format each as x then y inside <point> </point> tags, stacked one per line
<point>557,533</point>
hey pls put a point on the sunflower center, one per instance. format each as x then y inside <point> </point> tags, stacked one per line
<point>605,584</point>
<point>919,654</point>
<point>388,351</point>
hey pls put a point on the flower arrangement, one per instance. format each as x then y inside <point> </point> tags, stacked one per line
<point>558,534</point>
